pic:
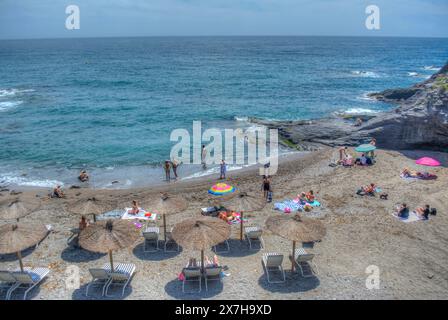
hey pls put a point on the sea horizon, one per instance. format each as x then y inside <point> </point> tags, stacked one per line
<point>108,104</point>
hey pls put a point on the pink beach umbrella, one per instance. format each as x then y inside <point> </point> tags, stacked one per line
<point>427,161</point>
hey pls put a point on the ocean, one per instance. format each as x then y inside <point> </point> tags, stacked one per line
<point>110,104</point>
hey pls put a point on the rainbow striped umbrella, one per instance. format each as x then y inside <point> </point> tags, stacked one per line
<point>220,189</point>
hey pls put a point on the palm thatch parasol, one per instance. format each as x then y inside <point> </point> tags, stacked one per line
<point>14,208</point>
<point>91,206</point>
<point>164,205</point>
<point>244,202</point>
<point>201,233</point>
<point>17,237</point>
<point>296,228</point>
<point>106,236</point>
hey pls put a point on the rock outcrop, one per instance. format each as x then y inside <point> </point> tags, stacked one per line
<point>419,122</point>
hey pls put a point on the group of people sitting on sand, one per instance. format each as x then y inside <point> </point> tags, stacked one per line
<point>423,213</point>
<point>371,190</point>
<point>306,197</point>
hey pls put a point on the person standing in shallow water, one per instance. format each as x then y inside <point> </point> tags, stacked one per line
<point>167,168</point>
<point>266,186</point>
<point>203,157</point>
<point>175,164</point>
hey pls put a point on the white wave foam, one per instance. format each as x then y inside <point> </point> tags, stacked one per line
<point>365,74</point>
<point>6,105</point>
<point>359,111</point>
<point>431,68</point>
<point>413,74</point>
<point>29,182</point>
<point>242,119</point>
<point>13,92</point>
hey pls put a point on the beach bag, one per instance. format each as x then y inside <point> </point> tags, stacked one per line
<point>269,196</point>
<point>433,212</point>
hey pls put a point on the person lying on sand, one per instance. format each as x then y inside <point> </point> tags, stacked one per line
<point>367,190</point>
<point>57,192</point>
<point>83,176</point>
<point>402,211</point>
<point>135,209</point>
<point>423,213</point>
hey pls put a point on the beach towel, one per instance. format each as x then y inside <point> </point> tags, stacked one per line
<point>412,217</point>
<point>427,176</point>
<point>315,203</point>
<point>288,206</point>
<point>141,215</point>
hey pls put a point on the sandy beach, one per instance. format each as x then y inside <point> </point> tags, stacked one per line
<point>361,231</point>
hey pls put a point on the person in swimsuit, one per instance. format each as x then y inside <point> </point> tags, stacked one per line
<point>83,223</point>
<point>83,176</point>
<point>266,187</point>
<point>175,164</point>
<point>57,192</point>
<point>135,209</point>
<point>167,168</point>
<point>223,170</point>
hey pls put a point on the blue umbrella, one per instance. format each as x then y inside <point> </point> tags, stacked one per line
<point>365,148</point>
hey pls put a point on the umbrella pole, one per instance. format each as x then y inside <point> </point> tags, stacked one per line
<point>94,217</point>
<point>202,260</point>
<point>164,227</point>
<point>111,261</point>
<point>19,255</point>
<point>241,226</point>
<point>293,255</point>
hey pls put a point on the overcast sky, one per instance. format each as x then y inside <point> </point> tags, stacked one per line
<point>46,18</point>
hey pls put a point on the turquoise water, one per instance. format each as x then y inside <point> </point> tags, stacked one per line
<point>109,105</point>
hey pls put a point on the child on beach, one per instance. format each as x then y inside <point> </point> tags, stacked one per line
<point>167,168</point>
<point>223,169</point>
<point>83,176</point>
<point>135,209</point>
<point>57,192</point>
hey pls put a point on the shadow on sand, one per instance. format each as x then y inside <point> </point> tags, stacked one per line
<point>238,249</point>
<point>95,293</point>
<point>294,283</point>
<point>72,254</point>
<point>13,256</point>
<point>174,289</point>
<point>157,255</point>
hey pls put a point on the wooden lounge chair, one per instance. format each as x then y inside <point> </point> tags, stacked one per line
<point>304,260</point>
<point>273,262</point>
<point>192,274</point>
<point>28,279</point>
<point>212,274</point>
<point>170,240</point>
<point>151,234</point>
<point>253,233</point>
<point>7,282</point>
<point>99,277</point>
<point>122,275</point>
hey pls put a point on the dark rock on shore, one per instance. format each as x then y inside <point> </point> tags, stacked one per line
<point>419,122</point>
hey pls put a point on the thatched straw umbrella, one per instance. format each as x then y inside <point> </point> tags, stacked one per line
<point>108,235</point>
<point>91,206</point>
<point>296,228</point>
<point>164,205</point>
<point>243,202</point>
<point>201,233</point>
<point>14,208</point>
<point>17,237</point>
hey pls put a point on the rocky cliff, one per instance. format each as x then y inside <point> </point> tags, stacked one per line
<point>420,121</point>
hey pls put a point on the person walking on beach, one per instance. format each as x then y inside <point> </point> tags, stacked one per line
<point>223,170</point>
<point>167,168</point>
<point>175,164</point>
<point>203,157</point>
<point>266,187</point>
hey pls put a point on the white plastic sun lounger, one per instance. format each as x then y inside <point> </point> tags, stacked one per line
<point>122,275</point>
<point>192,274</point>
<point>99,277</point>
<point>304,260</point>
<point>273,262</point>
<point>253,233</point>
<point>7,282</point>
<point>212,274</point>
<point>28,279</point>
<point>151,235</point>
